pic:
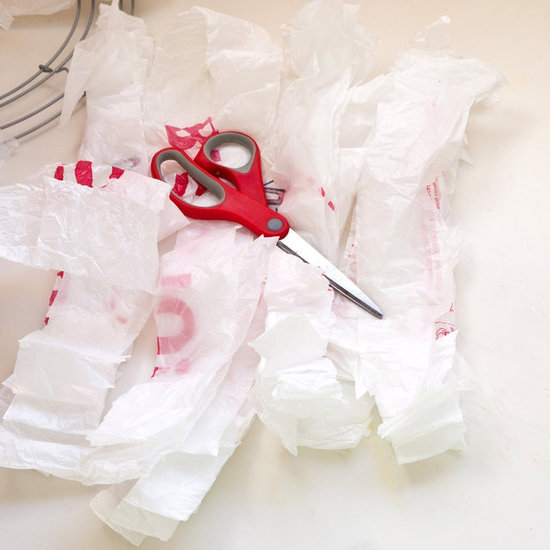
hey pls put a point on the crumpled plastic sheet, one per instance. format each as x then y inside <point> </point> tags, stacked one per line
<point>309,121</point>
<point>212,425</point>
<point>302,393</point>
<point>14,8</point>
<point>140,97</point>
<point>82,218</point>
<point>110,66</point>
<point>51,225</point>
<point>243,329</point>
<point>406,196</point>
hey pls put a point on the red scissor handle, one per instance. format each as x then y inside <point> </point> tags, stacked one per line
<point>246,205</point>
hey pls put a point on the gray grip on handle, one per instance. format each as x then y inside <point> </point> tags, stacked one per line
<point>231,137</point>
<point>193,170</point>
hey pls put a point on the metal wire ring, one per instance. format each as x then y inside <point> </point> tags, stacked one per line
<point>47,70</point>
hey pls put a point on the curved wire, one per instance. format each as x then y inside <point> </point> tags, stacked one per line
<point>52,59</point>
<point>57,69</point>
<point>49,71</point>
<point>38,126</point>
<point>33,113</point>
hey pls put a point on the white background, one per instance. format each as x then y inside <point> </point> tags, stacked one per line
<point>496,494</point>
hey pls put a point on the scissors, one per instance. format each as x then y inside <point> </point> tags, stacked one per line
<point>246,204</point>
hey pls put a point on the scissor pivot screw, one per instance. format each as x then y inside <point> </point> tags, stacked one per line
<point>275,224</point>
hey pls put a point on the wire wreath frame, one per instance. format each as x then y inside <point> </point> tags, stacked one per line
<point>40,116</point>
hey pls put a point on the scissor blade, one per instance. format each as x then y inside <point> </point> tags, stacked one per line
<point>294,244</point>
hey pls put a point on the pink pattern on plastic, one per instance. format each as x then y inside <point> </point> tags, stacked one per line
<point>183,280</point>
<point>59,173</point>
<point>188,138</point>
<point>83,173</point>
<point>170,305</point>
<point>330,204</point>
<point>181,183</point>
<point>54,293</point>
<point>116,173</point>
<point>443,328</point>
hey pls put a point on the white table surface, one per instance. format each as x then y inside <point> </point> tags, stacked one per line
<point>494,495</point>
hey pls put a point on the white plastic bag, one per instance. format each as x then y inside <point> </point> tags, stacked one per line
<point>87,229</point>
<point>394,143</point>
<point>111,66</point>
<point>155,417</point>
<point>328,54</point>
<point>101,226</point>
<point>406,244</point>
<point>300,392</point>
<point>214,65</point>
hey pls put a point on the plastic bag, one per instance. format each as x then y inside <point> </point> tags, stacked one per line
<point>320,192</point>
<point>100,225</point>
<point>176,486</point>
<point>405,198</point>
<point>111,66</point>
<point>210,65</point>
<point>154,418</point>
<point>301,393</point>
<point>87,229</point>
